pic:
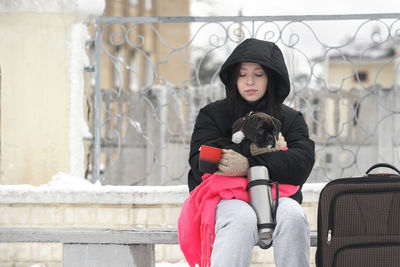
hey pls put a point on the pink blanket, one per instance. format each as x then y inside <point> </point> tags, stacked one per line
<point>197,219</point>
<point>285,190</point>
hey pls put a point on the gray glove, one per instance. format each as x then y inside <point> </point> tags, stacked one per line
<point>232,164</point>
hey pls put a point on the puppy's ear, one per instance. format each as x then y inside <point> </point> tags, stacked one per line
<point>250,127</point>
<point>277,127</point>
<point>238,125</point>
<point>277,124</point>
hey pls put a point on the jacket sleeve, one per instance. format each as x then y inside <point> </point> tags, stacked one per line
<point>206,129</point>
<point>294,165</point>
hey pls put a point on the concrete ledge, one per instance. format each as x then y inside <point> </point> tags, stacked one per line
<point>88,235</point>
<point>97,236</point>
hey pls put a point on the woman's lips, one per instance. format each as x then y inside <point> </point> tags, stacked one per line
<point>251,91</point>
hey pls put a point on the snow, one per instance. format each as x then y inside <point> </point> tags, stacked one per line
<point>78,126</point>
<point>311,191</point>
<point>66,188</point>
<point>160,264</point>
<point>167,264</point>
<point>81,8</point>
<point>91,7</point>
<point>63,180</point>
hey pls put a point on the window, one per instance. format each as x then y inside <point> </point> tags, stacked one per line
<point>302,106</point>
<point>148,5</point>
<point>118,68</point>
<point>133,74</point>
<point>328,158</point>
<point>362,76</point>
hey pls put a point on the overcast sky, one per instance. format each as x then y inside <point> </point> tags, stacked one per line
<point>332,32</point>
<point>292,7</point>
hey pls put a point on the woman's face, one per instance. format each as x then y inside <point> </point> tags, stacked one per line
<point>252,81</point>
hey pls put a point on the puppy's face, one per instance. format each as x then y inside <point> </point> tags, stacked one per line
<point>263,131</point>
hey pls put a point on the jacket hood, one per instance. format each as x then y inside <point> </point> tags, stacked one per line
<point>267,54</point>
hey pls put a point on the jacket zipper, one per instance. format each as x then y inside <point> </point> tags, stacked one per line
<point>351,180</point>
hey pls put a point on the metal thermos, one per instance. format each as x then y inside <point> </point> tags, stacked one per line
<point>260,191</point>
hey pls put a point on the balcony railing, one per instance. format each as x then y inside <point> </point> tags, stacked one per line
<point>153,74</point>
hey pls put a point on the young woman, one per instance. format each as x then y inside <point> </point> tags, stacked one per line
<point>256,79</point>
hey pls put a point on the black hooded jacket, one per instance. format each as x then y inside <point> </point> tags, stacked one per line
<point>291,166</point>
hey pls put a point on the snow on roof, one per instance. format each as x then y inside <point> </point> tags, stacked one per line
<point>364,49</point>
<point>365,52</point>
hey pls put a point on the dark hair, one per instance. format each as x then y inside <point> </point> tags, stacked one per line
<point>238,106</point>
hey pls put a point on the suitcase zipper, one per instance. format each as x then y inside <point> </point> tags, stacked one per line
<point>329,237</point>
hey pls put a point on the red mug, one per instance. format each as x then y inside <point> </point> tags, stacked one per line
<point>209,159</point>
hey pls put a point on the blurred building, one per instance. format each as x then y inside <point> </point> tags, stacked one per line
<point>351,109</point>
<point>139,46</point>
<point>145,70</point>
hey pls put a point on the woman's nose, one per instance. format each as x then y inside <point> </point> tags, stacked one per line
<point>250,80</point>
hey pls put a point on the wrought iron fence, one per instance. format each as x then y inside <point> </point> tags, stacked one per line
<point>153,74</point>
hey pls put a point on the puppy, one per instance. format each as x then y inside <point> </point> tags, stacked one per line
<point>261,129</point>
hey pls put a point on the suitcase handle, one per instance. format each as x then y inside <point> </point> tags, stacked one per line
<point>386,165</point>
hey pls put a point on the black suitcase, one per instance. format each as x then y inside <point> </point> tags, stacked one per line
<point>359,221</point>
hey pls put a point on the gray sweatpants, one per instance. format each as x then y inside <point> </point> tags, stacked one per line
<point>236,233</point>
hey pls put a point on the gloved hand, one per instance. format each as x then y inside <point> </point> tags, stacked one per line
<point>232,164</point>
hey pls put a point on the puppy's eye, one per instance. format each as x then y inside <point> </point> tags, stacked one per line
<point>260,131</point>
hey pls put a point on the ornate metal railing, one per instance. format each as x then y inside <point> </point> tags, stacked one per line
<point>153,74</point>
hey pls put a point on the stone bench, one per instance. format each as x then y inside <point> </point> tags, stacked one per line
<point>91,247</point>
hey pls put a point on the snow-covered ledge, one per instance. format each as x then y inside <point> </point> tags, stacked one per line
<point>311,191</point>
<point>44,42</point>
<point>94,195</point>
<point>73,190</point>
<point>69,189</point>
<point>83,9</point>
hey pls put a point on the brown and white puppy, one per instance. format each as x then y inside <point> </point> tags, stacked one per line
<point>261,129</point>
